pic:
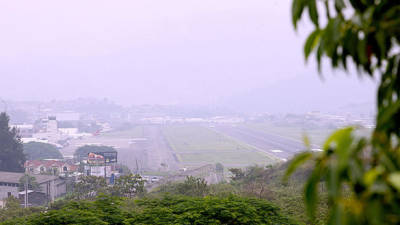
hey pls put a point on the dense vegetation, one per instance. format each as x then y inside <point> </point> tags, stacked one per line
<point>163,210</point>
<point>251,189</point>
<point>12,157</point>
<point>38,150</point>
<point>257,182</point>
<point>88,187</point>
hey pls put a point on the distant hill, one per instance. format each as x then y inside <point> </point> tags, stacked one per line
<point>306,93</point>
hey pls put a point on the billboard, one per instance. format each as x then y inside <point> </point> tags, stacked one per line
<point>109,157</point>
<point>98,171</point>
<point>102,157</point>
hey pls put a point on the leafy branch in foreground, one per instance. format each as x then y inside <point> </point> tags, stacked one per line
<point>368,170</point>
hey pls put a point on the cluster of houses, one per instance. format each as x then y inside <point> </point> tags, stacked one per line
<point>51,177</point>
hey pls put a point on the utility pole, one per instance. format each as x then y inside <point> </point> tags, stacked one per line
<point>137,167</point>
<point>26,191</point>
<point>105,170</point>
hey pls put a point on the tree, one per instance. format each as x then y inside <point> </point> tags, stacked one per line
<point>362,175</point>
<point>164,210</point>
<point>82,152</point>
<point>194,186</point>
<point>252,180</point>
<point>219,169</point>
<point>128,185</point>
<point>38,150</point>
<point>12,203</point>
<point>237,174</point>
<point>206,210</point>
<point>25,180</point>
<point>12,157</point>
<point>89,186</point>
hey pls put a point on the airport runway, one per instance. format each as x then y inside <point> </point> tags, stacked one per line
<point>276,145</point>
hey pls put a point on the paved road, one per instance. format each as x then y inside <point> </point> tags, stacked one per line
<point>149,153</point>
<point>277,145</point>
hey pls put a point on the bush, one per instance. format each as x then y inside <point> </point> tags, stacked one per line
<point>208,210</point>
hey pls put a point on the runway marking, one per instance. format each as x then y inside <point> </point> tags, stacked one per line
<point>276,150</point>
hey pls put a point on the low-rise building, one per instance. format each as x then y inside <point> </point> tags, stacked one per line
<point>54,167</point>
<point>50,187</point>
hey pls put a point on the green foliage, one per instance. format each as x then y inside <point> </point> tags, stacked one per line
<point>37,151</point>
<point>367,32</point>
<point>192,186</point>
<point>12,203</point>
<point>222,190</point>
<point>166,210</point>
<point>208,210</point>
<point>129,185</point>
<point>266,183</point>
<point>27,181</point>
<point>367,169</point>
<point>14,210</point>
<point>88,187</point>
<point>237,174</point>
<point>12,157</point>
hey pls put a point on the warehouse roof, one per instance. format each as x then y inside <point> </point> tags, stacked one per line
<point>9,177</point>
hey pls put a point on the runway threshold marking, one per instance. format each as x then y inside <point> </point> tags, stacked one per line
<point>276,150</point>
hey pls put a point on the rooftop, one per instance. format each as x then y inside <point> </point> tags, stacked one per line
<point>10,177</point>
<point>49,163</point>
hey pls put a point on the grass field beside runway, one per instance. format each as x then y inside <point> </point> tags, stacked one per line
<point>196,145</point>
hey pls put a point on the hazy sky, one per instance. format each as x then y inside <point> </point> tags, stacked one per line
<point>160,51</point>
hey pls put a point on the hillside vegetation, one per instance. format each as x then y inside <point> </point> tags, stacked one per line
<point>164,210</point>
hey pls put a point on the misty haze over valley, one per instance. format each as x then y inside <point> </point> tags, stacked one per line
<point>196,111</point>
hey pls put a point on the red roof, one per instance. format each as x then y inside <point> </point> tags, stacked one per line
<point>49,163</point>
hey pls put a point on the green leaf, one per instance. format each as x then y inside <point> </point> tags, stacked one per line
<point>337,136</point>
<point>362,51</point>
<point>371,175</point>
<point>339,5</point>
<point>311,193</point>
<point>312,10</point>
<point>386,115</point>
<point>306,141</point>
<point>297,11</point>
<point>394,180</point>
<point>296,162</point>
<point>311,42</point>
<point>381,39</point>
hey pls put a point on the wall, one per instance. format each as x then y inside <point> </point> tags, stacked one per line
<point>5,189</point>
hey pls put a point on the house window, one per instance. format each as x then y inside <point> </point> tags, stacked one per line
<point>8,194</point>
